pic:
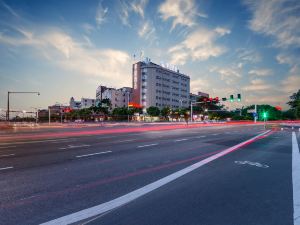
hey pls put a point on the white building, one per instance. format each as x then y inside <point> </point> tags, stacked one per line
<point>82,104</point>
<point>118,97</point>
<point>161,86</point>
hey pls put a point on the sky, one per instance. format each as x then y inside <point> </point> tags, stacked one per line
<point>67,48</point>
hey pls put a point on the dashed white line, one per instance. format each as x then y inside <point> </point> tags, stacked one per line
<point>92,154</point>
<point>143,146</point>
<point>6,168</point>
<point>74,146</point>
<point>215,134</point>
<point>129,140</point>
<point>203,136</point>
<point>8,147</point>
<point>7,155</point>
<point>184,139</point>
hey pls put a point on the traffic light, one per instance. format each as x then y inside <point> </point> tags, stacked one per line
<point>231,98</point>
<point>224,99</point>
<point>239,97</point>
<point>265,115</point>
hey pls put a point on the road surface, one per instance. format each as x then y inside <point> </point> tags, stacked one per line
<point>207,175</point>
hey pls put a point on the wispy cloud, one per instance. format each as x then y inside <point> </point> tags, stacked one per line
<point>261,72</point>
<point>198,45</point>
<point>291,84</point>
<point>258,85</point>
<point>182,12</point>
<point>279,19</point>
<point>248,55</point>
<point>230,75</point>
<point>9,9</point>
<point>72,55</point>
<point>100,14</point>
<point>126,7</point>
<point>147,31</point>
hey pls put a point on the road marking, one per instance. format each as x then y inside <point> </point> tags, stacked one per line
<point>125,199</point>
<point>7,155</point>
<point>143,146</point>
<point>97,153</point>
<point>203,136</point>
<point>252,164</point>
<point>129,140</point>
<point>296,179</point>
<point>74,146</point>
<point>215,134</point>
<point>8,147</point>
<point>6,168</point>
<point>30,142</point>
<point>184,139</point>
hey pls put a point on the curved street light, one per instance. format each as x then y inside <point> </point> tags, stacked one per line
<point>17,92</point>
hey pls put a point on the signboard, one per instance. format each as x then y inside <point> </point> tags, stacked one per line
<point>251,111</point>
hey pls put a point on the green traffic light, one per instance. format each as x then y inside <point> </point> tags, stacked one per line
<point>265,115</point>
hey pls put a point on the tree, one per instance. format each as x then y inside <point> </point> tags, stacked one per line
<point>271,112</point>
<point>295,103</point>
<point>165,112</point>
<point>153,111</point>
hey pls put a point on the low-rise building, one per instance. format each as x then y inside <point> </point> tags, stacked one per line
<point>84,103</point>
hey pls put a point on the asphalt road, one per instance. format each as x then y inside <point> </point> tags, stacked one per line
<point>239,175</point>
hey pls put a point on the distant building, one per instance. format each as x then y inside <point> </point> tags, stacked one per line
<point>118,97</point>
<point>82,104</point>
<point>195,97</point>
<point>161,86</point>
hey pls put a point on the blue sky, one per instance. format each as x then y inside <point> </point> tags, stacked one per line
<point>67,48</point>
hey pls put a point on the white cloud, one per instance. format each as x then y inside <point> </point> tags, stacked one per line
<point>198,45</point>
<point>230,75</point>
<point>11,11</point>
<point>248,55</point>
<point>261,72</point>
<point>182,12</point>
<point>62,50</point>
<point>100,14</point>
<point>291,84</point>
<point>222,31</point>
<point>126,7</point>
<point>199,85</point>
<point>147,31</point>
<point>258,85</point>
<point>88,28</point>
<point>278,19</point>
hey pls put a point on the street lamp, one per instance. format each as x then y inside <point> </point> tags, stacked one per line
<point>17,92</point>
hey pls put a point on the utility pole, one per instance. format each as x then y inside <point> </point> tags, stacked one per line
<point>191,111</point>
<point>128,106</point>
<point>49,115</point>
<point>255,110</point>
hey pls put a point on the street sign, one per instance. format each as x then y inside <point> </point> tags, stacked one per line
<point>254,114</point>
<point>251,111</point>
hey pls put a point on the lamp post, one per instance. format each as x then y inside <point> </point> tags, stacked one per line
<point>17,92</point>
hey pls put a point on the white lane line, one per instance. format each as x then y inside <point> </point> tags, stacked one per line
<point>215,134</point>
<point>125,199</point>
<point>143,146</point>
<point>203,136</point>
<point>296,179</point>
<point>6,168</point>
<point>30,142</point>
<point>184,139</point>
<point>8,147</point>
<point>74,146</point>
<point>7,155</point>
<point>129,140</point>
<point>92,154</point>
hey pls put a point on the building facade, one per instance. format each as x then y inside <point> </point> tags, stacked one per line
<point>155,85</point>
<point>195,97</point>
<point>118,97</point>
<point>84,103</point>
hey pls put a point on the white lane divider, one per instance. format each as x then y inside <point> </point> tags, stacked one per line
<point>215,134</point>
<point>296,179</point>
<point>6,168</point>
<point>74,146</point>
<point>2,147</point>
<point>143,146</point>
<point>7,155</point>
<point>129,140</point>
<point>125,199</point>
<point>203,136</point>
<point>178,140</point>
<point>92,154</point>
